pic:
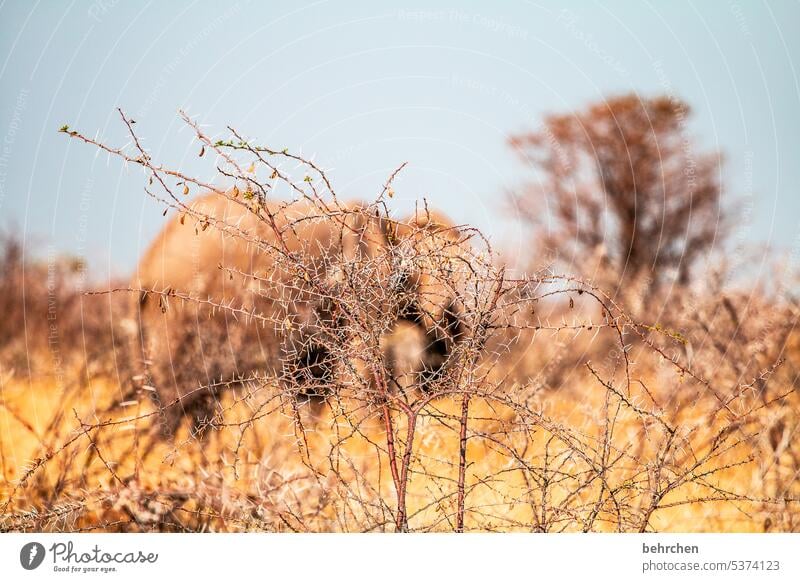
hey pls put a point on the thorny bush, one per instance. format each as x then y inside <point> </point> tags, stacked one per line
<point>409,383</point>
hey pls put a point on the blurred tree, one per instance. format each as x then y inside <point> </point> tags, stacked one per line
<point>620,192</point>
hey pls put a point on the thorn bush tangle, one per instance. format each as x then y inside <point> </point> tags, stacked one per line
<point>286,359</point>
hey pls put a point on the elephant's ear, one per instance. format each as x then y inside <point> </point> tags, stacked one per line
<point>431,220</point>
<point>362,233</point>
<point>395,231</point>
<point>422,221</point>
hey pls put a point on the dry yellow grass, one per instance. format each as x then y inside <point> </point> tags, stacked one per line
<point>334,476</point>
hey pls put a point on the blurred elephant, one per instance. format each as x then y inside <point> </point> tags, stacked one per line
<point>226,291</point>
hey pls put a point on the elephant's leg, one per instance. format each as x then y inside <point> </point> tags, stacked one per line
<point>309,361</point>
<point>439,340</point>
<point>308,366</point>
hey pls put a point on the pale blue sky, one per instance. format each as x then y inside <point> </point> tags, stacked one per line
<point>365,86</point>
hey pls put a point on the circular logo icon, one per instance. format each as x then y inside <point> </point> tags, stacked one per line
<point>31,555</point>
